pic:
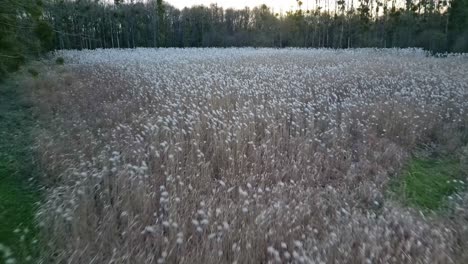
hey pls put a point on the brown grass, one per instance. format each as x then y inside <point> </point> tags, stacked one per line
<point>246,178</point>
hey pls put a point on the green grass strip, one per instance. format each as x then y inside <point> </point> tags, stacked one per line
<point>18,194</point>
<point>428,183</point>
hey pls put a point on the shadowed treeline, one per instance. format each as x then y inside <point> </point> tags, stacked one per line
<point>438,26</point>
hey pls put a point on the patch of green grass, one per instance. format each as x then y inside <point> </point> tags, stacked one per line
<point>18,195</point>
<point>427,183</point>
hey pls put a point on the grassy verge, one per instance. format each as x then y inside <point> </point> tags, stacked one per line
<point>18,195</point>
<point>428,183</point>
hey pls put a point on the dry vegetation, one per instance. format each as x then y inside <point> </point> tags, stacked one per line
<point>245,155</point>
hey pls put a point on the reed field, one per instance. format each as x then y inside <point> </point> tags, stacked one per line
<point>244,155</point>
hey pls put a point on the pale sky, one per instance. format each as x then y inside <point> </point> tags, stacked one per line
<point>277,5</point>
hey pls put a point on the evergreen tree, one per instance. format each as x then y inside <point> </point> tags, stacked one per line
<point>23,33</point>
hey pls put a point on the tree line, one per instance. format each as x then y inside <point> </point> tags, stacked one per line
<point>436,25</point>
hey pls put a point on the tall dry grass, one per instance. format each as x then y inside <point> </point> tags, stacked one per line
<point>244,156</point>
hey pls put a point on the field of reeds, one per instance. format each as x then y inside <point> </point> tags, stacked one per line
<point>251,156</point>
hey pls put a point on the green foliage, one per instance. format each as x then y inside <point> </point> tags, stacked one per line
<point>60,61</point>
<point>427,183</point>
<point>10,53</point>
<point>33,72</point>
<point>432,40</point>
<point>458,26</point>
<point>161,23</point>
<point>23,33</point>
<point>45,34</point>
<point>18,196</point>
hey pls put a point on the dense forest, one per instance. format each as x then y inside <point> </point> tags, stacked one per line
<point>432,24</point>
<point>28,27</point>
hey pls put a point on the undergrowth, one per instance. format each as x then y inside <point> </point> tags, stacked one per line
<point>18,195</point>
